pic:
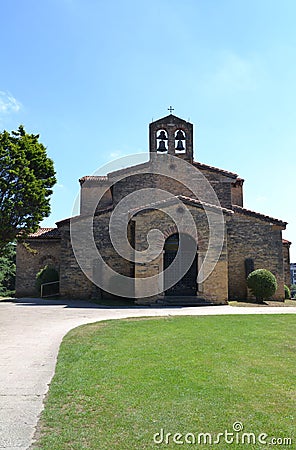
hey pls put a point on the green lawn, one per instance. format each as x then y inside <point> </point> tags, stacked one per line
<point>118,383</point>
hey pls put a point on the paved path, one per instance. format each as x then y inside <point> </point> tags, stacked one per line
<point>30,335</point>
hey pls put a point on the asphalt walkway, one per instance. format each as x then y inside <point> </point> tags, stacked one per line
<point>31,331</point>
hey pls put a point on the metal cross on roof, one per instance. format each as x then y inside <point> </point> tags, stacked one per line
<point>170,109</point>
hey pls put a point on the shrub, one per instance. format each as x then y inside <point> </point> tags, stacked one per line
<point>287,293</point>
<point>46,275</point>
<point>262,284</point>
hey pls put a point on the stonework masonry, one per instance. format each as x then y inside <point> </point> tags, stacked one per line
<point>250,238</point>
<point>30,258</point>
<point>286,257</point>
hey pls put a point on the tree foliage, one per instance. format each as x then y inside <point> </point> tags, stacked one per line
<point>262,284</point>
<point>7,270</point>
<point>26,179</point>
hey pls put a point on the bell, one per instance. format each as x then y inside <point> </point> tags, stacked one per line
<point>180,145</point>
<point>162,147</point>
<point>162,135</point>
<point>180,135</point>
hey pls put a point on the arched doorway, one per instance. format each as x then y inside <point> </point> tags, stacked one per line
<point>187,285</point>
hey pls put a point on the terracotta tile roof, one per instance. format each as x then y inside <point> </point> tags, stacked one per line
<point>140,166</point>
<point>184,199</point>
<point>286,242</point>
<point>200,203</point>
<point>215,169</point>
<point>93,178</point>
<point>255,214</point>
<point>238,182</point>
<point>195,163</point>
<point>45,233</point>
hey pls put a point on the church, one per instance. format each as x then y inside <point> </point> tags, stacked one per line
<point>166,231</point>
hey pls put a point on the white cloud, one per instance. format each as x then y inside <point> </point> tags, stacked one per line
<point>8,104</point>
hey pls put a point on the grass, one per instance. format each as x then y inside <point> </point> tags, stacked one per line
<point>117,383</point>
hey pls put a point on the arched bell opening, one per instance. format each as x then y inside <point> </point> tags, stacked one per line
<point>187,284</point>
<point>162,141</point>
<point>180,142</point>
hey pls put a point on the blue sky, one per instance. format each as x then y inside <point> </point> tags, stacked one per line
<point>89,76</point>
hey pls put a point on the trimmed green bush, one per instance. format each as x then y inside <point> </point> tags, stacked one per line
<point>287,293</point>
<point>262,284</point>
<point>46,275</point>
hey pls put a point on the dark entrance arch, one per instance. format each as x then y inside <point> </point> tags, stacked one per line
<point>187,285</point>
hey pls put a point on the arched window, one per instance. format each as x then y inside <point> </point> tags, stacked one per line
<point>180,141</point>
<point>162,141</point>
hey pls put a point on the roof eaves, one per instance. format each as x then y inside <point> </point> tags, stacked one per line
<point>285,242</point>
<point>248,212</point>
<point>215,169</point>
<point>202,204</point>
<point>45,233</point>
<point>92,178</point>
<point>184,199</point>
<point>170,117</point>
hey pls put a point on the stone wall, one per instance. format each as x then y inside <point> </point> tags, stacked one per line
<point>249,237</point>
<point>215,287</point>
<point>91,191</point>
<point>111,257</point>
<point>73,282</point>
<point>220,183</point>
<point>286,255</point>
<point>30,258</point>
<point>237,193</point>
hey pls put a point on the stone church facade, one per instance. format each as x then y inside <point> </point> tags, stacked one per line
<point>250,240</point>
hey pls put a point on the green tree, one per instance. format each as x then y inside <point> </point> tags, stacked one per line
<point>7,270</point>
<point>262,284</point>
<point>26,179</point>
